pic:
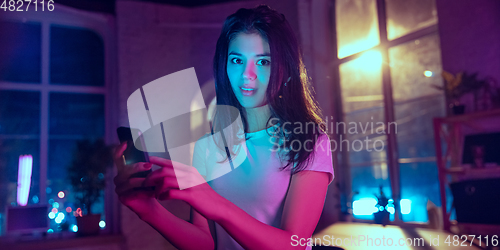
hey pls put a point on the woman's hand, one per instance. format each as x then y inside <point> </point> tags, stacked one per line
<point>185,183</point>
<point>139,201</point>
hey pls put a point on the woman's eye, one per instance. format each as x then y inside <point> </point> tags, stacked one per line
<point>236,60</point>
<point>263,62</point>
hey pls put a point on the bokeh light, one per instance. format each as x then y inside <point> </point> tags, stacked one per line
<point>364,206</point>
<point>59,218</point>
<point>78,212</point>
<point>405,205</point>
<point>61,215</point>
<point>35,199</point>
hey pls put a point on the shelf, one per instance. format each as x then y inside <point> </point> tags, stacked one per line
<point>469,116</point>
<point>450,132</point>
<point>465,173</point>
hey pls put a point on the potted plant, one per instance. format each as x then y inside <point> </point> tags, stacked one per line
<point>382,215</point>
<point>456,86</point>
<point>86,173</point>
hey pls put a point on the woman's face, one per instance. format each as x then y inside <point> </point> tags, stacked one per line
<point>249,68</point>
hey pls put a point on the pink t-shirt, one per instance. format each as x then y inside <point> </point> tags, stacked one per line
<point>256,185</point>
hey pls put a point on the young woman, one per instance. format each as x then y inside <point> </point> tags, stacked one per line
<point>274,197</point>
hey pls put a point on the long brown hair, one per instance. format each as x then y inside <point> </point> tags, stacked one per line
<point>290,105</point>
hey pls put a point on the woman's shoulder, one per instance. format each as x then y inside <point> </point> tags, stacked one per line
<point>323,144</point>
<point>321,157</point>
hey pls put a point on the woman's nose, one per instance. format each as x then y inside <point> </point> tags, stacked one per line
<point>249,72</point>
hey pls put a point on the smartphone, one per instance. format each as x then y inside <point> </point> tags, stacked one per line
<point>132,154</point>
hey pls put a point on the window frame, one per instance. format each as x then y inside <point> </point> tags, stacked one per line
<point>392,148</point>
<point>104,26</point>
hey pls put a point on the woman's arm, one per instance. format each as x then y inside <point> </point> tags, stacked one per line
<point>301,213</point>
<point>303,205</point>
<point>180,233</point>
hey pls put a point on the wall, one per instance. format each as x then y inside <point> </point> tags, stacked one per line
<point>470,37</point>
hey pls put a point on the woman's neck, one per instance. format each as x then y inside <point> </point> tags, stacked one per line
<point>257,118</point>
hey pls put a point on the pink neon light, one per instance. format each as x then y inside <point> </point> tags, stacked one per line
<point>24,179</point>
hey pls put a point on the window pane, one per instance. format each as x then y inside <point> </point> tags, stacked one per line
<point>10,150</point>
<point>20,52</point>
<point>19,112</point>
<point>415,68</point>
<point>60,158</point>
<point>76,57</point>
<point>73,117</point>
<point>416,101</point>
<point>362,101</point>
<point>77,114</point>
<point>419,184</point>
<point>366,183</point>
<point>407,16</point>
<point>58,165</point>
<point>357,26</point>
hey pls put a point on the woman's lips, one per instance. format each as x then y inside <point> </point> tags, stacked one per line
<point>247,91</point>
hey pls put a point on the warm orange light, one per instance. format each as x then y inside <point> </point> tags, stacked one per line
<point>369,61</point>
<point>68,209</point>
<point>370,40</point>
<point>60,194</point>
<point>54,210</point>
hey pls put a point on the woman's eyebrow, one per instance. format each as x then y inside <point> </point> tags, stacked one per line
<point>236,54</point>
<point>259,55</point>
